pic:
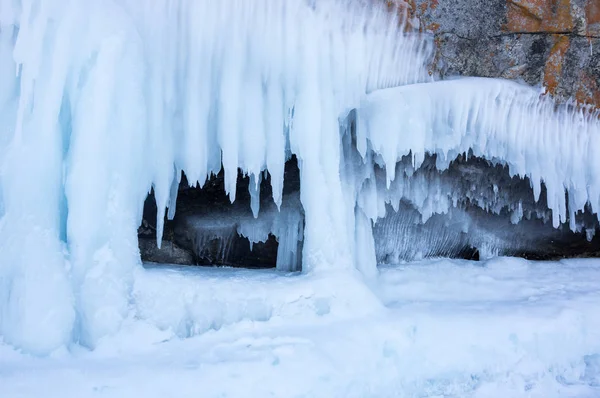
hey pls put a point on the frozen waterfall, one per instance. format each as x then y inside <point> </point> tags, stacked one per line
<point>102,101</point>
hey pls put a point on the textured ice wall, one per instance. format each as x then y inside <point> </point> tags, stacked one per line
<point>102,100</point>
<point>504,122</point>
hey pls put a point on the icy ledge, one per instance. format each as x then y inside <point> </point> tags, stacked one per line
<point>498,120</point>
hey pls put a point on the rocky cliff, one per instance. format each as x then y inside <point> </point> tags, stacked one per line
<point>554,43</point>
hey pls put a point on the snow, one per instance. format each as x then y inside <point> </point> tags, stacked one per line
<point>440,328</point>
<point>103,101</point>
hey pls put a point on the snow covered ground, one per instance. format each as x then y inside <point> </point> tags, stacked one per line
<point>503,328</point>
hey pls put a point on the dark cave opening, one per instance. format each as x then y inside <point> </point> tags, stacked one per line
<point>468,231</point>
<point>205,229</point>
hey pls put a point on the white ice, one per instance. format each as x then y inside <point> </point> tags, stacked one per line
<point>502,328</point>
<point>503,122</point>
<point>102,101</point>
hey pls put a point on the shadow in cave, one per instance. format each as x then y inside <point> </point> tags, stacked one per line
<point>206,227</point>
<point>494,214</point>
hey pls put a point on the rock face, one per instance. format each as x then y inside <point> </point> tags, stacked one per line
<point>554,43</point>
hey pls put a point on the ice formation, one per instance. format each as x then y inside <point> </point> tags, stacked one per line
<point>501,121</point>
<point>285,223</point>
<point>102,101</point>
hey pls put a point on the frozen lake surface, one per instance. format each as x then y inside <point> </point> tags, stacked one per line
<point>441,328</point>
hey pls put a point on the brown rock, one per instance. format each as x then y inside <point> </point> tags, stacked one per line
<point>555,43</point>
<point>551,16</point>
<point>587,90</point>
<point>592,14</point>
<point>555,62</point>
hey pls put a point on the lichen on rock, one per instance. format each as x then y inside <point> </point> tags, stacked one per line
<point>552,43</point>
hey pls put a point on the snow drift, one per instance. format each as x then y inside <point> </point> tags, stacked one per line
<point>102,101</point>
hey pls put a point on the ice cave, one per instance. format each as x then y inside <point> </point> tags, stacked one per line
<point>308,137</point>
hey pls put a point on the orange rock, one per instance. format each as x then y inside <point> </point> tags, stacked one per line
<point>554,64</point>
<point>539,16</point>
<point>587,90</point>
<point>422,10</point>
<point>523,17</point>
<point>592,15</point>
<point>434,27</point>
<point>592,12</point>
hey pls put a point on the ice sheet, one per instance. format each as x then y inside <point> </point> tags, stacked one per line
<point>504,328</point>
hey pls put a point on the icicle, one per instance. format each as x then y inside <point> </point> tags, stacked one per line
<point>254,189</point>
<point>508,123</point>
<point>517,214</point>
<point>200,86</point>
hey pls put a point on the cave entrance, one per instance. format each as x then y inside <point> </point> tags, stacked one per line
<point>209,230</point>
<point>487,212</point>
